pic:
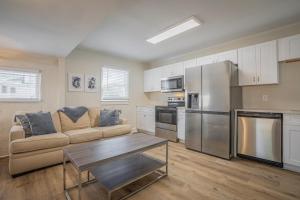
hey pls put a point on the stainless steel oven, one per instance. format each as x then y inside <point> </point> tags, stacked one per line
<point>172,84</point>
<point>166,122</point>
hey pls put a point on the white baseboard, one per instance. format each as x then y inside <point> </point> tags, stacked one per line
<point>292,167</point>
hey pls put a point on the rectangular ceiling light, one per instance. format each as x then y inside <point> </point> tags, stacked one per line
<point>175,30</point>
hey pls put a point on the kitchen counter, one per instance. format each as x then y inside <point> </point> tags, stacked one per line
<point>295,112</point>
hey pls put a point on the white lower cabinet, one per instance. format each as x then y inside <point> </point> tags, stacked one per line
<point>181,124</point>
<point>291,141</point>
<point>145,119</point>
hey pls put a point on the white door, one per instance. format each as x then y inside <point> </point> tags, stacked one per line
<point>267,65</point>
<point>247,65</point>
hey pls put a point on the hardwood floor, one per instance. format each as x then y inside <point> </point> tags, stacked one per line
<point>192,175</point>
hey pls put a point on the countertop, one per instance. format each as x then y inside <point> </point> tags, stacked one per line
<point>295,112</point>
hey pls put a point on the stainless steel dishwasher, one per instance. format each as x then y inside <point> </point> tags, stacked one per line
<point>260,136</point>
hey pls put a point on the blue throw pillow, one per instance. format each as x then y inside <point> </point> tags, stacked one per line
<point>25,124</point>
<point>109,117</point>
<point>41,123</point>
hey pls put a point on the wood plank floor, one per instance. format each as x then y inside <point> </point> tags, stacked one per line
<point>192,175</point>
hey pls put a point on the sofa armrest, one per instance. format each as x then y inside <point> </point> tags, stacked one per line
<point>123,121</point>
<point>16,132</point>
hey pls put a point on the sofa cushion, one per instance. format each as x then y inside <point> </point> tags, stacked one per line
<point>67,124</point>
<point>24,122</point>
<point>39,142</point>
<point>83,135</point>
<point>109,117</point>
<point>41,123</point>
<point>111,131</point>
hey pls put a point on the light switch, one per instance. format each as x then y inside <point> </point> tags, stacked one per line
<point>265,98</point>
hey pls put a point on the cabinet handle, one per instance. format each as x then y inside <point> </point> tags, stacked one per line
<point>253,79</point>
<point>258,79</point>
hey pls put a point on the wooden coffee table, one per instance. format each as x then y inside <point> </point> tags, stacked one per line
<point>115,162</point>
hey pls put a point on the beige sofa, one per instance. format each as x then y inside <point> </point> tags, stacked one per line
<point>26,154</point>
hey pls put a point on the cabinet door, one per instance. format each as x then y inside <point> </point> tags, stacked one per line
<point>178,69</point>
<point>267,65</point>
<point>166,71</point>
<point>147,81</point>
<point>190,63</point>
<point>247,65</point>
<point>150,121</point>
<point>139,120</point>
<point>155,79</point>
<point>291,140</point>
<point>227,55</point>
<point>205,60</point>
<point>289,48</point>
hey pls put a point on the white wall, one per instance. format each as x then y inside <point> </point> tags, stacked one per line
<point>88,61</point>
<point>52,89</point>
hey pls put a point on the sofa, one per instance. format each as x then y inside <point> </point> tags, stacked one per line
<point>27,154</point>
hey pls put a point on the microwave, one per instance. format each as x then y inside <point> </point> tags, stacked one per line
<point>172,84</point>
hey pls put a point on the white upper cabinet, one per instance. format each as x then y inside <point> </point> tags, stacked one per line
<point>176,69</point>
<point>152,80</point>
<point>267,64</point>
<point>205,60</point>
<point>258,64</point>
<point>247,65</point>
<point>219,57</point>
<point>190,63</point>
<point>227,55</point>
<point>147,81</point>
<point>289,48</point>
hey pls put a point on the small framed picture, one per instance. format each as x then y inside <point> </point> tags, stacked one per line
<point>91,83</point>
<point>75,82</point>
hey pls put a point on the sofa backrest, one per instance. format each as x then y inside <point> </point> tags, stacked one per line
<point>94,114</point>
<point>63,123</point>
<point>67,124</point>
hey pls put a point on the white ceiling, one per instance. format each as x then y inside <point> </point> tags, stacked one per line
<point>56,27</point>
<point>124,32</point>
<point>52,27</point>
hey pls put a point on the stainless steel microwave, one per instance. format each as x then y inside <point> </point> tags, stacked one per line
<point>172,84</point>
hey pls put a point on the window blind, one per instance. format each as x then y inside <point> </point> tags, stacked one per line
<point>114,84</point>
<point>18,85</point>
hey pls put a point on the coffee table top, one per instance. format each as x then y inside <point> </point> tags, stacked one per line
<point>86,155</point>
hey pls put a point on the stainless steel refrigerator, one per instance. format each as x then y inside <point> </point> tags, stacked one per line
<point>212,94</point>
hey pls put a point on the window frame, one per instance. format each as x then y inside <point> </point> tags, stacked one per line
<point>113,101</point>
<point>24,100</point>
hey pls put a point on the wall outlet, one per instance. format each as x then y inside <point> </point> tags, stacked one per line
<point>265,98</point>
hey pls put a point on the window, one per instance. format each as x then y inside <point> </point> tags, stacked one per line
<point>17,85</point>
<point>114,84</point>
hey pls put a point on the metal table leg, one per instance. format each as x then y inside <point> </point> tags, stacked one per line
<point>167,157</point>
<point>79,185</point>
